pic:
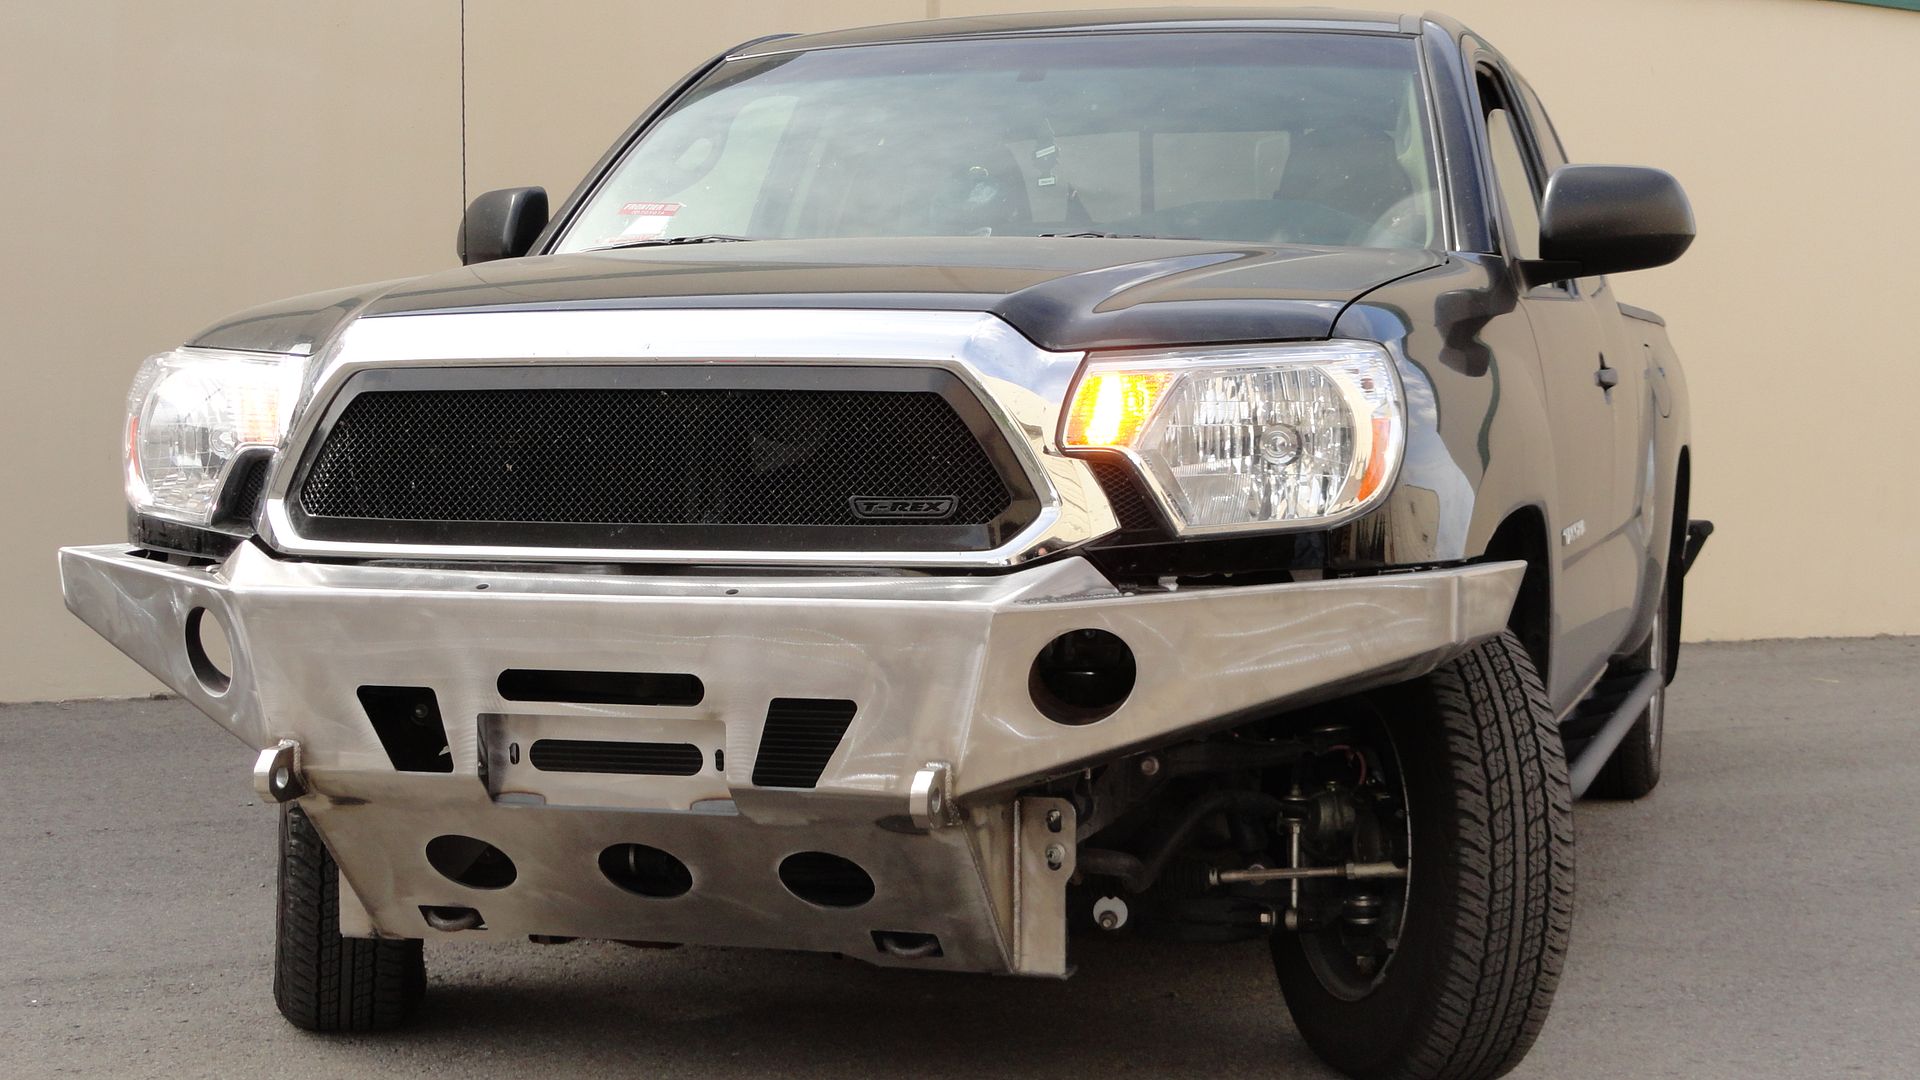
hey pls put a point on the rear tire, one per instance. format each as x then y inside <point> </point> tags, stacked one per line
<point>1633,770</point>
<point>322,981</point>
<point>1490,886</point>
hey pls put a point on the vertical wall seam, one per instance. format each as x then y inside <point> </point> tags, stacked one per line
<point>463,106</point>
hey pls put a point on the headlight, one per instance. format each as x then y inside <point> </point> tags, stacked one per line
<point>1243,438</point>
<point>191,413</point>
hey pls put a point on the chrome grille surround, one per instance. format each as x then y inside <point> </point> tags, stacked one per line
<point>1020,385</point>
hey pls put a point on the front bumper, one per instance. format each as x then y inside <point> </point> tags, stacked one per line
<point>938,668</point>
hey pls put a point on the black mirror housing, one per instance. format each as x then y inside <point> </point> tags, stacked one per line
<point>1608,219</point>
<point>501,224</point>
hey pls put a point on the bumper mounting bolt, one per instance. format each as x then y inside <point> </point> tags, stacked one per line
<point>1056,856</point>
<point>1149,766</point>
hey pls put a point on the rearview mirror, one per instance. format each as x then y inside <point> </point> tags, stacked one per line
<point>501,224</point>
<point>1608,219</point>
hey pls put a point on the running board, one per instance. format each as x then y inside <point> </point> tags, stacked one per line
<point>1600,745</point>
<point>1582,770</point>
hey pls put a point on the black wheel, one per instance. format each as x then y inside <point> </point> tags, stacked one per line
<point>1447,974</point>
<point>322,981</point>
<point>1633,769</point>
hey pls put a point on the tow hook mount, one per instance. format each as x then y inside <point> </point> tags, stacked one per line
<point>930,798</point>
<point>276,772</point>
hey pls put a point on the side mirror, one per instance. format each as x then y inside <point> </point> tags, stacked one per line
<point>501,224</point>
<point>1608,219</point>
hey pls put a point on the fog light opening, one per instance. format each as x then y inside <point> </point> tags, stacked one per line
<point>646,871</point>
<point>1082,676</point>
<point>209,650</point>
<point>826,880</point>
<point>473,863</point>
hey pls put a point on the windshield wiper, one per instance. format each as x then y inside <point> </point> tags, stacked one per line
<point>1103,235</point>
<point>668,241</point>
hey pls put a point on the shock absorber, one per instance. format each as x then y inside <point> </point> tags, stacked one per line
<point>1294,815</point>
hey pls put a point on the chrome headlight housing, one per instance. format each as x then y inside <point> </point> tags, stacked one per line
<point>191,414</point>
<point>1247,438</point>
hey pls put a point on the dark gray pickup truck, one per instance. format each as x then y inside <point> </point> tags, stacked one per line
<point>937,489</point>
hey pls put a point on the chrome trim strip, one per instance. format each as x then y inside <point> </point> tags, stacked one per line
<point>1021,385</point>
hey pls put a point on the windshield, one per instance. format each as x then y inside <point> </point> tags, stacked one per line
<point>1257,137</point>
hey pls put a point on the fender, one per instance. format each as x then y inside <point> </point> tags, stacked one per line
<point>1477,446</point>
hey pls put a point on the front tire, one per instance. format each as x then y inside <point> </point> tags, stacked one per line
<point>1490,885</point>
<point>321,980</point>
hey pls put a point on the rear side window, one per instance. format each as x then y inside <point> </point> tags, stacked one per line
<point>1513,173</point>
<point>1546,136</point>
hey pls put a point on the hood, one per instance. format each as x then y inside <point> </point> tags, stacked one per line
<point>1065,294</point>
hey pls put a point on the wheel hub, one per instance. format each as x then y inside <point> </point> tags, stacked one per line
<point>1340,868</point>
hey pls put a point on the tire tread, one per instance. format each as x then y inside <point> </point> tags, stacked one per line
<point>1515,831</point>
<point>1469,989</point>
<point>321,980</point>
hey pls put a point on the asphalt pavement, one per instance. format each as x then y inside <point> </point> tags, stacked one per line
<point>1756,917</point>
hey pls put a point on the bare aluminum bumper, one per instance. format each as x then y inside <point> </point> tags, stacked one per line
<point>938,667</point>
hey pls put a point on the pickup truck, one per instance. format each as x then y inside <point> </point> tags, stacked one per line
<point>937,490</point>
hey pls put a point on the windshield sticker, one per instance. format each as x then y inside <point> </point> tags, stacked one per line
<point>649,219</point>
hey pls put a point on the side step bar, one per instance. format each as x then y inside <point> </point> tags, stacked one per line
<point>1582,770</point>
<point>1697,532</point>
<point>1630,702</point>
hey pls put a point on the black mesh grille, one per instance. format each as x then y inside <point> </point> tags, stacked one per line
<point>1130,501</point>
<point>800,736</point>
<point>251,487</point>
<point>599,756</point>
<point>623,456</point>
<point>241,499</point>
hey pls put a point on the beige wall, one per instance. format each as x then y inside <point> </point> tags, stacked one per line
<point>166,164</point>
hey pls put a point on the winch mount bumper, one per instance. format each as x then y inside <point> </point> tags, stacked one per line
<point>920,792</point>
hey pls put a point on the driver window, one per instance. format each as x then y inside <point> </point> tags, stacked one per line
<point>1513,176</point>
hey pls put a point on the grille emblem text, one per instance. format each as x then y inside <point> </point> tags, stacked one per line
<point>889,508</point>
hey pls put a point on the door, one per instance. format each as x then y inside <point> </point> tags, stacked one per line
<point>1590,508</point>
